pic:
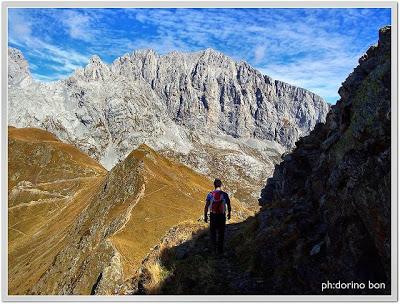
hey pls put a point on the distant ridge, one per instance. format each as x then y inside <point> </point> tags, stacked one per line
<point>203,109</point>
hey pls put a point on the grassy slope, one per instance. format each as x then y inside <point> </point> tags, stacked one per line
<point>173,193</point>
<point>57,193</point>
<point>60,178</point>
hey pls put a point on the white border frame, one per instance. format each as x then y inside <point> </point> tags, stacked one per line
<point>205,4</point>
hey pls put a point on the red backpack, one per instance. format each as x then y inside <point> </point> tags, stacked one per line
<point>217,202</point>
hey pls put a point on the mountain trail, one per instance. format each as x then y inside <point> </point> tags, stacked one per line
<point>60,181</point>
<point>130,208</point>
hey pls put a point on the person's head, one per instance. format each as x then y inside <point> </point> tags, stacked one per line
<point>217,183</point>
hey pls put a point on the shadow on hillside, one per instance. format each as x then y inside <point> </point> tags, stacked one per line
<point>192,268</point>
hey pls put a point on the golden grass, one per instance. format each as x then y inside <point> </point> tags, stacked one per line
<point>157,274</point>
<point>31,135</point>
<point>31,254</point>
<point>173,193</point>
<point>63,179</point>
<point>38,156</point>
<point>66,183</point>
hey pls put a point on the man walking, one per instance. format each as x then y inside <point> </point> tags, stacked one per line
<point>217,202</point>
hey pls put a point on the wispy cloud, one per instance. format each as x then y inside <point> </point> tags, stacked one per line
<point>321,76</point>
<point>259,53</point>
<point>62,60</point>
<point>78,25</point>
<point>47,78</point>
<point>312,48</point>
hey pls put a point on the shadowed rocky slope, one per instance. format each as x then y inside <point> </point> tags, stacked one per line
<point>325,214</point>
<point>328,203</point>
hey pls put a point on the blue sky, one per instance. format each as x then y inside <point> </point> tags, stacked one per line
<point>313,48</point>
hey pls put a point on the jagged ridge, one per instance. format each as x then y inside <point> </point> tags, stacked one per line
<point>187,105</point>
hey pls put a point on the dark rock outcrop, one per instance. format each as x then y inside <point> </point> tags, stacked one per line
<point>326,210</point>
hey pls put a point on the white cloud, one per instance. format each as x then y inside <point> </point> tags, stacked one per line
<point>322,76</point>
<point>78,25</point>
<point>21,35</point>
<point>259,53</point>
<point>308,51</point>
<point>19,27</point>
<point>47,78</point>
<point>308,48</point>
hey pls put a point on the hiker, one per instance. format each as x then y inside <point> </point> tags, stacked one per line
<point>217,201</point>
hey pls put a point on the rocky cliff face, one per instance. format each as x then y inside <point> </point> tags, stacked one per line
<point>188,106</point>
<point>209,90</point>
<point>326,210</point>
<point>18,69</point>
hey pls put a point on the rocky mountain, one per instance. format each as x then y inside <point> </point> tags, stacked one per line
<point>18,69</point>
<point>325,214</point>
<point>75,228</point>
<point>220,117</point>
<point>328,202</point>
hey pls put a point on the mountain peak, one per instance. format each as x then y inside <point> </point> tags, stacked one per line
<point>211,51</point>
<point>95,59</point>
<point>18,68</point>
<point>145,147</point>
<point>96,69</point>
<point>144,52</point>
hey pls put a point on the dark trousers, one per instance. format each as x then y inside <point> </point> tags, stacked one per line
<point>217,231</point>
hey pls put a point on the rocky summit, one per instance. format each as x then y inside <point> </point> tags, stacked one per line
<point>218,116</point>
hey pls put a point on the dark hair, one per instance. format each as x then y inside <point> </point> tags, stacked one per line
<point>217,183</point>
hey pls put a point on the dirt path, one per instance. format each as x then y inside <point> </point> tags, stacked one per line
<point>222,274</point>
<point>240,281</point>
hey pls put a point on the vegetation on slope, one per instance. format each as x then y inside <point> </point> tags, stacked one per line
<point>76,229</point>
<point>49,183</point>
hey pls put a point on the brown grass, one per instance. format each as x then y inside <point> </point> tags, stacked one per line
<point>63,178</point>
<point>31,253</point>
<point>66,182</point>
<point>173,193</point>
<point>157,274</point>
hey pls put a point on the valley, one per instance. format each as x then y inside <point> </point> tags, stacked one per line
<point>71,221</point>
